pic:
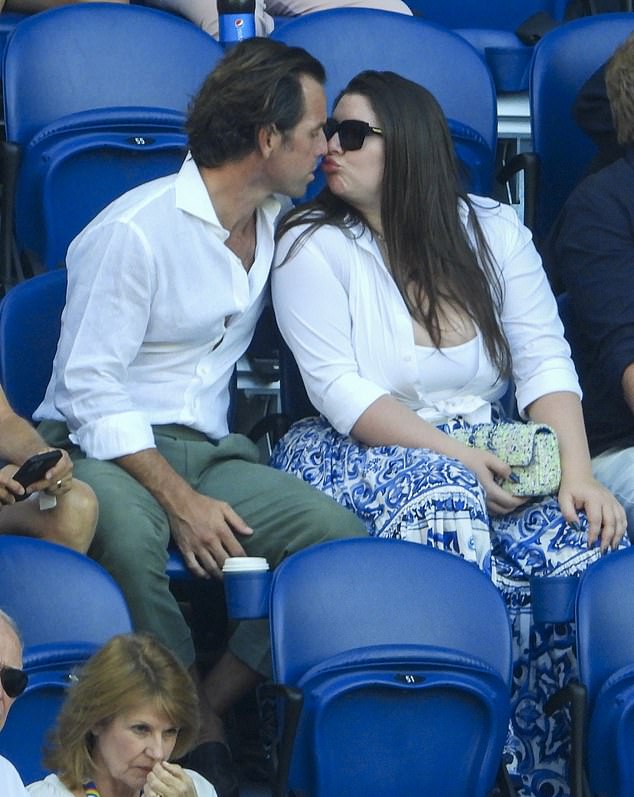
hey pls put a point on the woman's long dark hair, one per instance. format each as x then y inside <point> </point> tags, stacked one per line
<point>427,244</point>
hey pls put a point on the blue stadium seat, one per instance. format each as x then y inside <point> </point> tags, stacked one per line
<point>65,606</point>
<point>423,52</point>
<point>564,59</point>
<point>494,14</point>
<point>89,86</point>
<point>603,702</point>
<point>490,27</point>
<point>51,670</point>
<point>393,661</point>
<point>57,595</point>
<point>77,165</point>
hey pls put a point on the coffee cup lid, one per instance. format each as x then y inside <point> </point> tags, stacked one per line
<point>239,564</point>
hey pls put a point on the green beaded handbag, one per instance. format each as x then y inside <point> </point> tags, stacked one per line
<point>531,449</point>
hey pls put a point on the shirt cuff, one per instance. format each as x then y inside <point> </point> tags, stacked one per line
<point>114,436</point>
<point>346,401</point>
<point>553,380</point>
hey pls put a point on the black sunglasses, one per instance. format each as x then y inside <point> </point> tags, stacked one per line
<point>13,681</point>
<point>352,132</point>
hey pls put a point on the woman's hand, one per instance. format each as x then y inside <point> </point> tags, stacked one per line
<point>168,780</point>
<point>489,470</point>
<point>606,517</point>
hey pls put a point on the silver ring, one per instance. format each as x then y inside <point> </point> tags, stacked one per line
<point>59,484</point>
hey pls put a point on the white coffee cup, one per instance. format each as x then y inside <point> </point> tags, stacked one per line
<point>241,564</point>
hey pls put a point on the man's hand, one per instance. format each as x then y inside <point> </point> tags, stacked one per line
<point>205,530</point>
<point>58,480</point>
<point>9,489</point>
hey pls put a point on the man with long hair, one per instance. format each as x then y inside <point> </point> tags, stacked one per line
<point>165,288</point>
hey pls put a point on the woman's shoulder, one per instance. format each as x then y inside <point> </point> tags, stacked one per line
<point>318,230</point>
<point>10,783</point>
<point>499,222</point>
<point>329,240</point>
<point>51,786</point>
<point>491,210</point>
<point>202,785</point>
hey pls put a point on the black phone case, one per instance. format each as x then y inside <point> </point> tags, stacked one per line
<point>35,469</point>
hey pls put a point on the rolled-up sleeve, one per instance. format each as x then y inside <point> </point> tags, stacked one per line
<point>103,327</point>
<point>312,309</point>
<point>540,353</point>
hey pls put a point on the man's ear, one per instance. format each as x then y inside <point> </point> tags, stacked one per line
<point>268,139</point>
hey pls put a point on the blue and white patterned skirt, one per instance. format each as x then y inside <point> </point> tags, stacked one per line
<point>425,497</point>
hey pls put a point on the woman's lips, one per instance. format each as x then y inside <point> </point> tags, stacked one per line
<point>328,165</point>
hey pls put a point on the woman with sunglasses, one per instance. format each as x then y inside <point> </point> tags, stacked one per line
<point>13,681</point>
<point>407,304</point>
<point>132,709</point>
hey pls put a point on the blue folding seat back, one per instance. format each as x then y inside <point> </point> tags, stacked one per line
<point>95,97</point>
<point>605,650</point>
<point>371,706</point>
<point>65,606</point>
<point>51,670</point>
<point>474,157</point>
<point>57,595</point>
<point>100,55</point>
<point>490,27</point>
<point>363,581</point>
<point>494,14</point>
<point>610,733</point>
<point>402,653</point>
<point>564,59</point>
<point>507,57</point>
<point>428,54</point>
<point>30,321</point>
<point>77,165</point>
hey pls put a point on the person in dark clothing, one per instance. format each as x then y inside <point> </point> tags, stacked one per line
<point>594,250</point>
<point>592,113</point>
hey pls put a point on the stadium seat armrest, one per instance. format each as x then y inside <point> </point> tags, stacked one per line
<point>273,427</point>
<point>574,696</point>
<point>291,700</point>
<point>527,162</point>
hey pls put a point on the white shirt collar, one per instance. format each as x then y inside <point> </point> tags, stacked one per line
<point>192,197</point>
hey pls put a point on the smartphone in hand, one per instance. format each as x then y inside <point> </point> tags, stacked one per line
<point>35,469</point>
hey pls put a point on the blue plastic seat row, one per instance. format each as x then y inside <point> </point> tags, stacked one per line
<point>94,103</point>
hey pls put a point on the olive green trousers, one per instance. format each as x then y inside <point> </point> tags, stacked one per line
<point>133,531</point>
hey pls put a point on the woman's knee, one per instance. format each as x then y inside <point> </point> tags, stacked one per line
<point>74,520</point>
